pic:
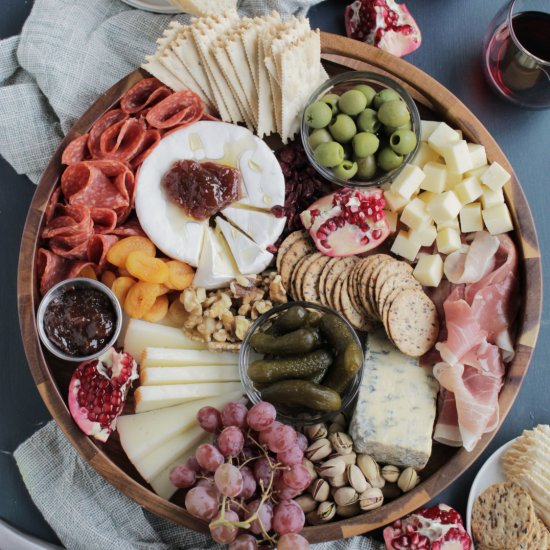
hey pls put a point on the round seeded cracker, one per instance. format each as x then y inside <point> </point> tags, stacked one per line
<point>388,269</point>
<point>333,275</point>
<point>298,274</point>
<point>286,244</point>
<point>310,280</point>
<point>297,250</point>
<point>394,282</point>
<point>323,278</point>
<point>356,317</point>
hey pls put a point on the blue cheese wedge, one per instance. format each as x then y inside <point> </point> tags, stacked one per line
<point>394,417</point>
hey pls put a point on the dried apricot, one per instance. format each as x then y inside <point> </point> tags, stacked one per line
<point>118,253</point>
<point>121,286</point>
<point>177,313</point>
<point>140,299</point>
<point>88,272</point>
<point>158,311</point>
<point>108,278</point>
<point>147,268</point>
<point>180,276</point>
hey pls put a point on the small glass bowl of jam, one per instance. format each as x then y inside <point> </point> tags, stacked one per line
<point>78,319</point>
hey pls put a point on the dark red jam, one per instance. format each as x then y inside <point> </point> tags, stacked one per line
<point>80,321</point>
<point>201,188</point>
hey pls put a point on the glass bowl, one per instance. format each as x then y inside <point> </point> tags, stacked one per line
<point>340,84</point>
<point>247,355</point>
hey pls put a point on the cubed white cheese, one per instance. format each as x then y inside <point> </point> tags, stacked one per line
<point>468,190</point>
<point>442,137</point>
<point>408,181</point>
<point>415,215</point>
<point>425,236</point>
<point>444,207</point>
<point>457,157</point>
<point>424,154</point>
<point>403,246</point>
<point>495,177</point>
<point>453,179</point>
<point>453,224</point>
<point>391,218</point>
<point>427,128</point>
<point>429,270</point>
<point>491,198</point>
<point>460,133</point>
<point>436,176</point>
<point>497,219</point>
<point>395,201</point>
<point>426,196</point>
<point>477,154</point>
<point>470,218</point>
<point>448,240</point>
<point>476,172</point>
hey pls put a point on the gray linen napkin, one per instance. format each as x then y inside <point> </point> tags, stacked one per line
<point>88,513</point>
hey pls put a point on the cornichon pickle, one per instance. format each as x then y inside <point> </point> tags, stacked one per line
<point>301,366</point>
<point>336,332</point>
<point>344,368</point>
<point>291,319</point>
<point>297,341</point>
<point>302,393</point>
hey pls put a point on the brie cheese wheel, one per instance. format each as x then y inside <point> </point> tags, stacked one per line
<point>219,259</point>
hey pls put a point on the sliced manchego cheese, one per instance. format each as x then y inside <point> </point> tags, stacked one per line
<point>491,198</point>
<point>415,215</point>
<point>424,155</point>
<point>495,177</point>
<point>470,218</point>
<point>497,219</point>
<point>468,190</point>
<point>448,240</point>
<point>167,357</point>
<point>478,155</point>
<point>442,137</point>
<point>444,207</point>
<point>429,270</point>
<point>457,157</point>
<point>436,177</point>
<point>425,236</point>
<point>405,247</point>
<point>395,201</point>
<point>408,181</point>
<point>160,376</point>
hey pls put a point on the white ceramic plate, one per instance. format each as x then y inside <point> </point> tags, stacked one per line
<point>157,6</point>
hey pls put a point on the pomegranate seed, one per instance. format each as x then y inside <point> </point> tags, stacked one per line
<point>361,216</point>
<point>324,244</point>
<point>370,211</point>
<point>365,240</point>
<point>409,529</point>
<point>414,538</point>
<point>376,234</point>
<point>315,212</point>
<point>340,222</point>
<point>364,227</point>
<point>331,226</point>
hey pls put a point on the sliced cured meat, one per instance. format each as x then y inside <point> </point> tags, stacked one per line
<point>52,204</point>
<point>98,246</point>
<point>144,95</point>
<point>76,151</point>
<point>122,141</point>
<point>71,249</point>
<point>130,228</point>
<point>68,220</point>
<point>52,269</point>
<point>150,141</point>
<point>102,124</point>
<point>446,430</point>
<point>179,109</point>
<point>105,219</point>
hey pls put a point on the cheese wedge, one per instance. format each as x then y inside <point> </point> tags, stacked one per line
<point>166,357</point>
<point>162,376</point>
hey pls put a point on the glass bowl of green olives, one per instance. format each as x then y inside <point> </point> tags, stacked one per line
<point>359,129</point>
<point>305,359</point>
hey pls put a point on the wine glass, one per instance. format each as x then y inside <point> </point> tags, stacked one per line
<point>516,53</point>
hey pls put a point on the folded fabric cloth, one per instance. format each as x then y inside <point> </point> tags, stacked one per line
<point>70,52</point>
<point>88,513</point>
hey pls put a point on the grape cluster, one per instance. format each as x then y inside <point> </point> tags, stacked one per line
<point>245,481</point>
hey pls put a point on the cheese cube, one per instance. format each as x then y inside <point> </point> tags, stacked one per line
<point>436,176</point>
<point>442,137</point>
<point>415,215</point>
<point>429,270</point>
<point>405,247</point>
<point>460,134</point>
<point>444,207</point>
<point>457,157</point>
<point>425,236</point>
<point>470,218</point>
<point>497,219</point>
<point>453,224</point>
<point>478,155</point>
<point>448,240</point>
<point>391,218</point>
<point>395,201</point>
<point>408,181</point>
<point>491,198</point>
<point>495,177</point>
<point>427,128</point>
<point>424,154</point>
<point>426,196</point>
<point>453,179</point>
<point>476,172</point>
<point>468,190</point>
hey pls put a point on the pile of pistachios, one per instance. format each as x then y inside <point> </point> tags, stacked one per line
<point>345,483</point>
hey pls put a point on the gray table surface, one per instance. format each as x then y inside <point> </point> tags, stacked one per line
<point>452,36</point>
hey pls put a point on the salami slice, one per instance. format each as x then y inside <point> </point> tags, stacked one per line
<point>179,109</point>
<point>68,220</point>
<point>70,247</point>
<point>76,151</point>
<point>105,220</point>
<point>123,140</point>
<point>144,95</point>
<point>130,228</point>
<point>52,204</point>
<point>152,137</point>
<point>100,126</point>
<point>52,269</point>
<point>98,246</point>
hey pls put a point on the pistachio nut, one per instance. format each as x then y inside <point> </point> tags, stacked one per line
<point>308,465</point>
<point>390,473</point>
<point>356,479</point>
<point>408,479</point>
<point>342,443</point>
<point>391,491</point>
<point>307,503</point>
<point>319,490</point>
<point>371,470</point>
<point>345,496</point>
<point>371,498</point>
<point>318,450</point>
<point>348,459</point>
<point>348,511</point>
<point>315,431</point>
<point>326,511</point>
<point>338,481</point>
<point>331,468</point>
<point>336,427</point>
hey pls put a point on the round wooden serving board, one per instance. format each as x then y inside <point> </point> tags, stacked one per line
<point>446,464</point>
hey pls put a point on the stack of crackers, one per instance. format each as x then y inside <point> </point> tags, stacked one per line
<point>258,71</point>
<point>504,518</point>
<point>376,288</point>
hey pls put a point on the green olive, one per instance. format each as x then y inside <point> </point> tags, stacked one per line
<point>319,136</point>
<point>403,141</point>
<point>366,167</point>
<point>318,115</point>
<point>389,130</point>
<point>346,170</point>
<point>389,160</point>
<point>332,101</point>
<point>365,144</point>
<point>368,91</point>
<point>384,95</point>
<point>368,121</point>
<point>343,128</point>
<point>352,102</point>
<point>329,154</point>
<point>394,113</point>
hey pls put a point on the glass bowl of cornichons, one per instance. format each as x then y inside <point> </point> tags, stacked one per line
<point>305,359</point>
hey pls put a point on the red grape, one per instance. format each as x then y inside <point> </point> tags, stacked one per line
<point>264,434</point>
<point>231,441</point>
<point>202,502</point>
<point>265,515</point>
<point>244,542</point>
<point>208,457</point>
<point>301,441</point>
<point>210,419</point>
<point>293,541</point>
<point>288,517</point>
<point>229,480</point>
<point>262,471</point>
<point>249,483</point>
<point>208,483</point>
<point>182,477</point>
<point>281,438</point>
<point>234,414</point>
<point>261,416</point>
<point>284,492</point>
<point>293,455</point>
<point>224,534</point>
<point>192,464</point>
<point>297,477</point>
